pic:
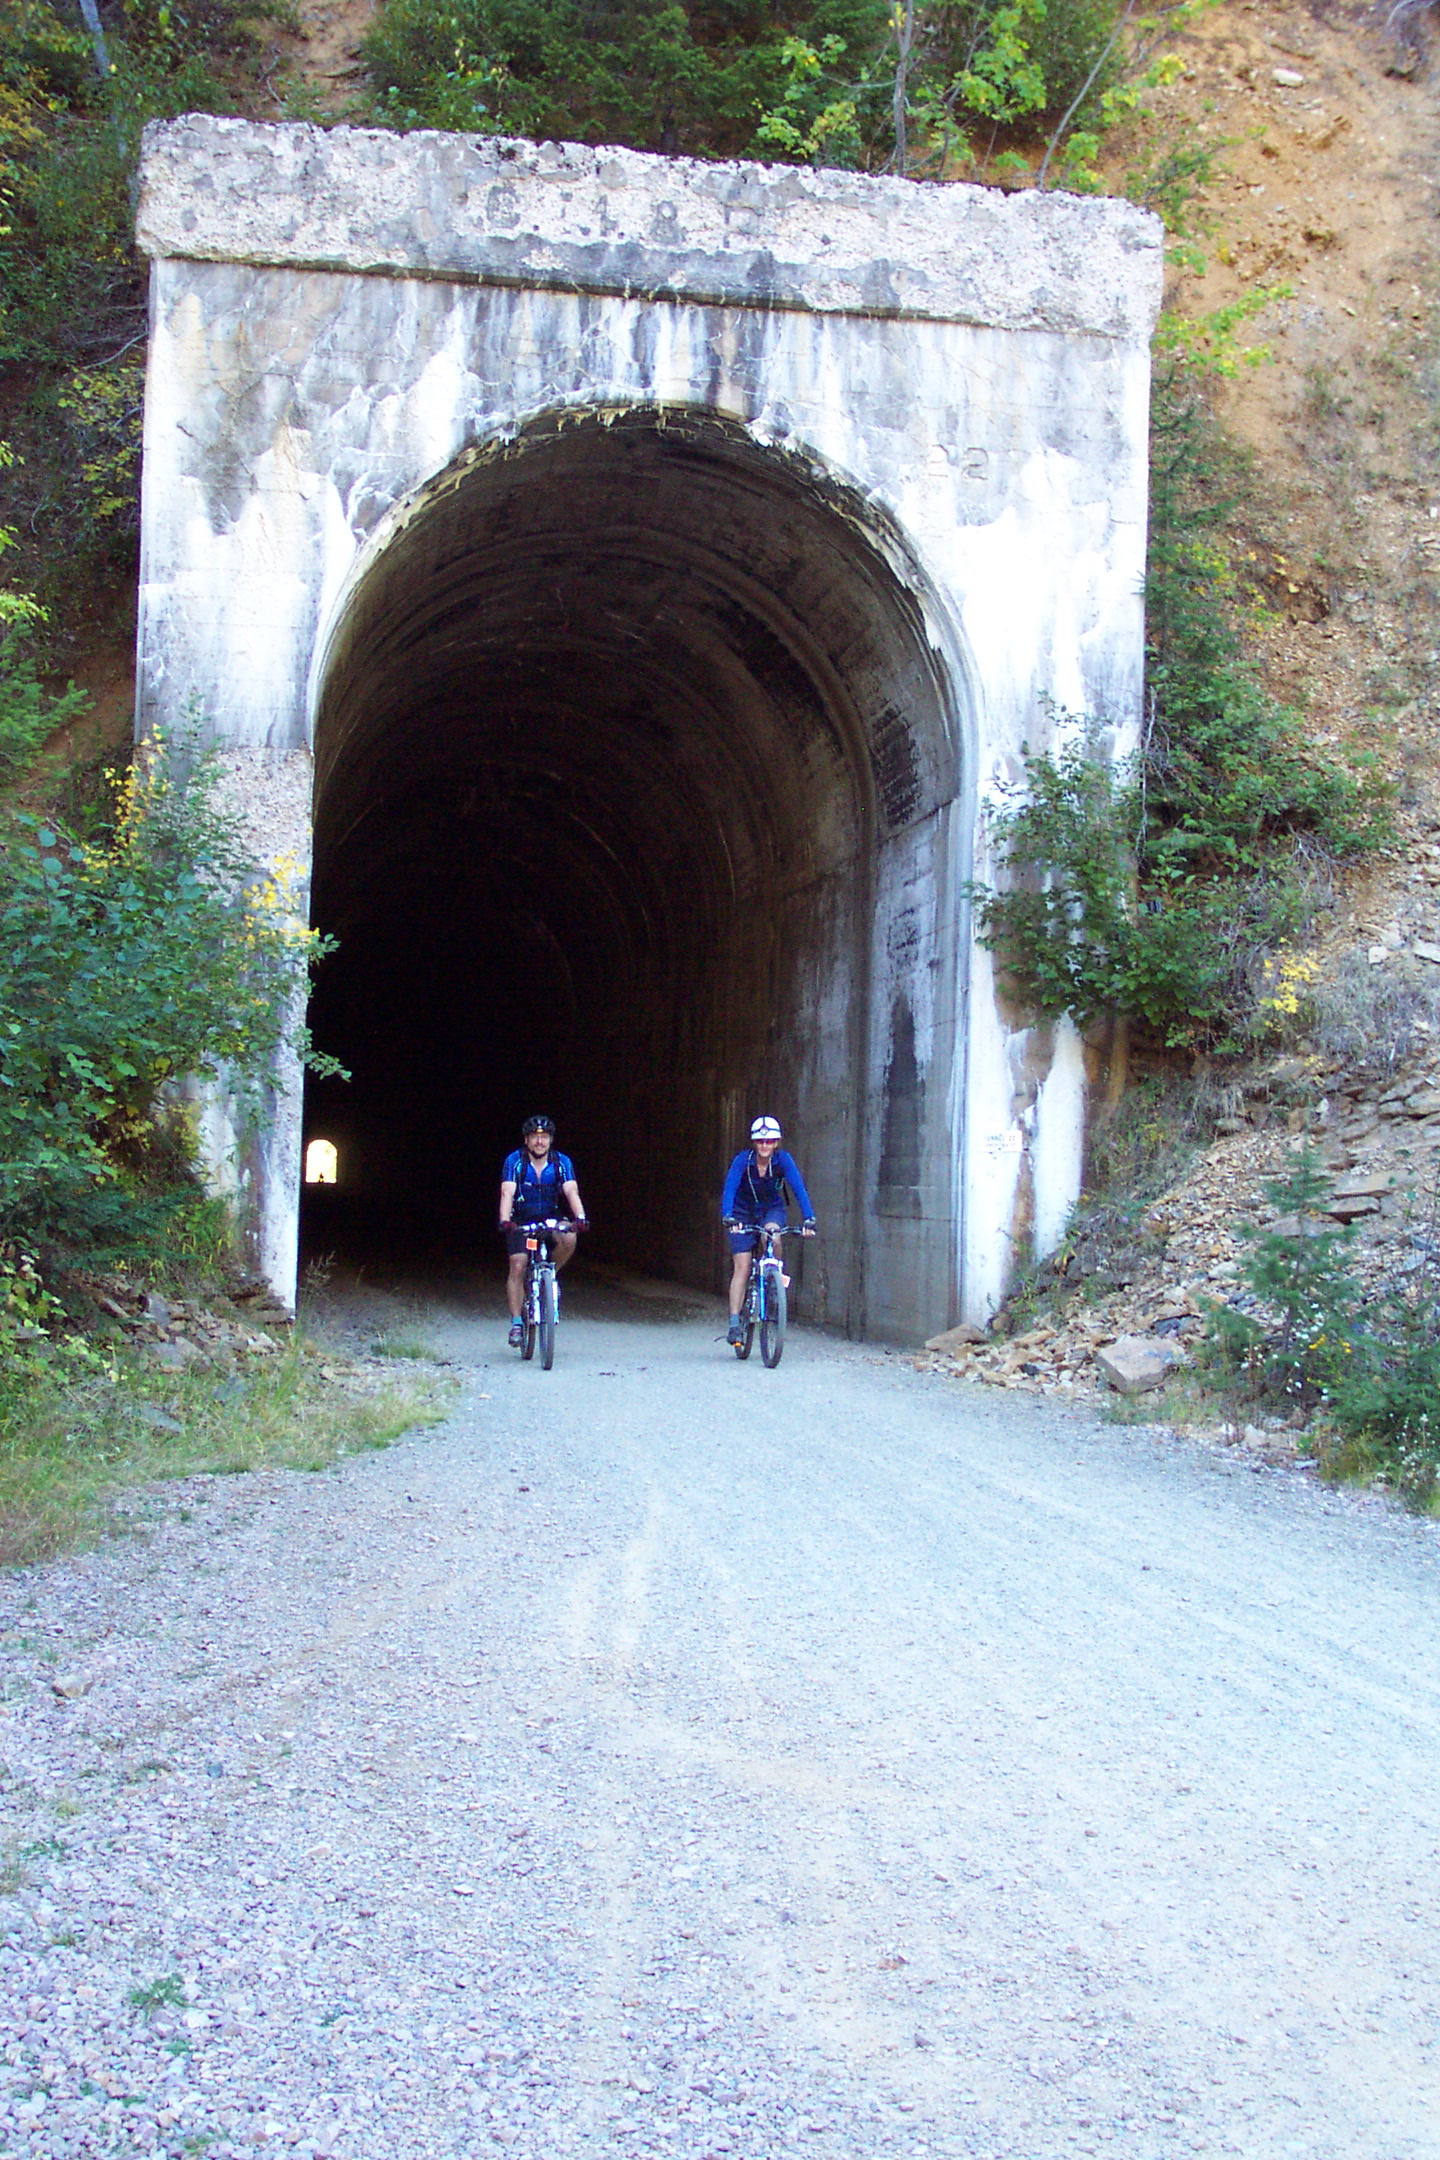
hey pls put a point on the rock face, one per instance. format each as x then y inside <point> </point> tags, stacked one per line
<point>741,522</point>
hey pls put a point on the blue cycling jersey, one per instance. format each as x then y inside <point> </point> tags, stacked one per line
<point>538,1197</point>
<point>751,1195</point>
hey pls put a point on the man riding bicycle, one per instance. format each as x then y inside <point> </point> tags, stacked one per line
<point>535,1179</point>
<point>758,1190</point>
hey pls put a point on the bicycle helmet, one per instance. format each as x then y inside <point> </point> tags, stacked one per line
<point>537,1124</point>
<point>765,1128</point>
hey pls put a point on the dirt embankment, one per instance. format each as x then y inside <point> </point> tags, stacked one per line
<point>1325,185</point>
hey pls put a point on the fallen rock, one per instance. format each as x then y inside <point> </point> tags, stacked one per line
<point>1135,1363</point>
<point>957,1338</point>
<point>1365,1184</point>
<point>1349,1207</point>
<point>173,1356</point>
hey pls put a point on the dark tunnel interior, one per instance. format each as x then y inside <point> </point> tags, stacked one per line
<point>608,738</point>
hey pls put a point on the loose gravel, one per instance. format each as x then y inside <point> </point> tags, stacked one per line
<point>671,1757</point>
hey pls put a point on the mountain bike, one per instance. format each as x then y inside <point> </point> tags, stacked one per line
<point>540,1312</point>
<point>766,1295</point>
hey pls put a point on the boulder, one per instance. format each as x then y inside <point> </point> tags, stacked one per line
<point>1135,1363</point>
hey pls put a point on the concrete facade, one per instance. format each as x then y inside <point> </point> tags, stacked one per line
<point>830,491</point>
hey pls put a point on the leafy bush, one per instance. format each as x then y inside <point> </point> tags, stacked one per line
<point>1368,1360</point>
<point>815,81</point>
<point>72,294</point>
<point>1156,889</point>
<point>678,78</point>
<point>28,711</point>
<point>126,965</point>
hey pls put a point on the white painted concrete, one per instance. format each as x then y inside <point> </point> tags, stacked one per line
<point>339,332</point>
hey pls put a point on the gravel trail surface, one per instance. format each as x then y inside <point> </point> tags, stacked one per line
<point>671,1757</point>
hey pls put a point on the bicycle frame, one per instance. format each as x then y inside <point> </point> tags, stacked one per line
<point>540,1309</point>
<point>765,1297</point>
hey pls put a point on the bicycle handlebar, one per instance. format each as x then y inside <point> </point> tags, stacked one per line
<point>776,1229</point>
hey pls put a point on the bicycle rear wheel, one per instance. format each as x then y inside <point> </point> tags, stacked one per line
<point>547,1320</point>
<point>772,1317</point>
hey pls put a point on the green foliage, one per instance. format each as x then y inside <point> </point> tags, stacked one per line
<point>678,78</point>
<point>72,297</point>
<point>818,117</point>
<point>128,964</point>
<point>1311,1337</point>
<point>1229,773</point>
<point>1157,889</point>
<point>1388,1407</point>
<point>28,711</point>
<point>815,81</point>
<point>1066,924</point>
<point>1368,1360</point>
<point>165,1993</point>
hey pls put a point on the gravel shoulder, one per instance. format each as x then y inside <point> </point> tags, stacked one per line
<point>665,1756</point>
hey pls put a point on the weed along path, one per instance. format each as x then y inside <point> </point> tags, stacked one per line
<point>668,1757</point>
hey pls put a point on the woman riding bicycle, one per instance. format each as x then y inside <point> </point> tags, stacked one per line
<point>534,1181</point>
<point>758,1190</point>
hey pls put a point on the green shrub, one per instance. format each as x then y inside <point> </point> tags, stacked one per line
<point>678,78</point>
<point>129,963</point>
<point>814,81</point>
<point>1309,1338</point>
<point>1156,889</point>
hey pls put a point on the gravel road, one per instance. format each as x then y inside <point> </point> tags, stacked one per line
<point>670,1757</point>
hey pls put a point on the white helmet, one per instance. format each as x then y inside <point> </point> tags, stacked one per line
<point>765,1128</point>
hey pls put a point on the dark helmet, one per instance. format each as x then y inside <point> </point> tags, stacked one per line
<point>537,1124</point>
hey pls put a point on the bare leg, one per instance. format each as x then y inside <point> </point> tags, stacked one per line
<point>564,1247</point>
<point>515,1284</point>
<point>739,1282</point>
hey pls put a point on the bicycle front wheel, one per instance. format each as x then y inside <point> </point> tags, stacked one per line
<point>547,1322</point>
<point>527,1348</point>
<point>772,1317</point>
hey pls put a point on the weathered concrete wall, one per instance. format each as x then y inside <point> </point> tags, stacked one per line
<point>345,327</point>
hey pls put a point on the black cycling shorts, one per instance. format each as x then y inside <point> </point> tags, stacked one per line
<point>516,1234</point>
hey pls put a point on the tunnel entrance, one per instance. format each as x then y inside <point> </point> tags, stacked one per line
<point>634,768</point>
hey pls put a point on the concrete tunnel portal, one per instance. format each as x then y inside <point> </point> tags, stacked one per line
<point>617,587</point>
<point>610,735</point>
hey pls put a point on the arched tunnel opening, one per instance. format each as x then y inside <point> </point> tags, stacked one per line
<point>611,740</point>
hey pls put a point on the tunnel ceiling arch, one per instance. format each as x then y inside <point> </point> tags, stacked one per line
<point>609,735</point>
<point>754,681</point>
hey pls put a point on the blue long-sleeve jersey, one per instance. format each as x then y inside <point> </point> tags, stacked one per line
<point>751,1194</point>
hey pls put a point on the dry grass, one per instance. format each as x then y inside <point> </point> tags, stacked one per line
<point>1373,1019</point>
